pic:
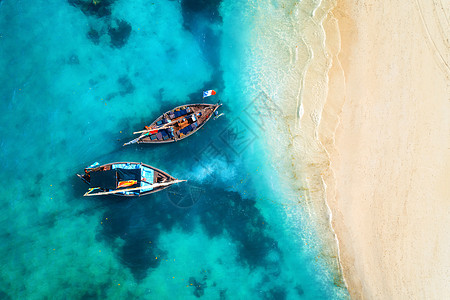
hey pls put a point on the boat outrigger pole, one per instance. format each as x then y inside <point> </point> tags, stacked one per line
<point>144,132</point>
<point>153,128</point>
<point>133,141</point>
<point>88,193</point>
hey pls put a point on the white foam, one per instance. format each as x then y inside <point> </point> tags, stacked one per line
<point>289,62</point>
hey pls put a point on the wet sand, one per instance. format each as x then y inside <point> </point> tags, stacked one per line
<point>386,129</point>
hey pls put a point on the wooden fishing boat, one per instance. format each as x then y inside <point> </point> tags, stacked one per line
<point>125,179</point>
<point>177,124</point>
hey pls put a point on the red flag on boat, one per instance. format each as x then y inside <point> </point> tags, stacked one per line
<point>208,93</point>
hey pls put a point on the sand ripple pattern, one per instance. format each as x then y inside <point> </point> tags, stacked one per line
<point>435,19</point>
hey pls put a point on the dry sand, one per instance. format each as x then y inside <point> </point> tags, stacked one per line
<point>388,186</point>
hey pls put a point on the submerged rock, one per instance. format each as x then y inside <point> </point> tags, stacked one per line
<point>276,293</point>
<point>199,287</point>
<point>126,85</point>
<point>97,8</point>
<point>120,33</point>
<point>299,290</point>
<point>94,36</point>
<point>73,60</point>
<point>223,294</point>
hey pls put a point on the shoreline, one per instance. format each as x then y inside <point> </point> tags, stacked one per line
<point>383,127</point>
<point>291,86</point>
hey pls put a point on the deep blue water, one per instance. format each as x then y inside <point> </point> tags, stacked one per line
<point>77,80</point>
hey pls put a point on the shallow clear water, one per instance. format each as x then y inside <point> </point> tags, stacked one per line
<point>78,79</point>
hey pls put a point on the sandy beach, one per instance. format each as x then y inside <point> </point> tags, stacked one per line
<point>387,185</point>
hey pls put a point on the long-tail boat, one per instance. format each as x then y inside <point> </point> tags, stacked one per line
<point>177,124</point>
<point>125,179</point>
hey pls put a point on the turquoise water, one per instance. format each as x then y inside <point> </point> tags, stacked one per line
<point>78,79</point>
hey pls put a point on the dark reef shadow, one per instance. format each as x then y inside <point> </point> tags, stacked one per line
<point>139,223</point>
<point>100,9</point>
<point>118,30</point>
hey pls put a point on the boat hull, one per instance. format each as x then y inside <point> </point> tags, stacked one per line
<point>159,177</point>
<point>179,126</point>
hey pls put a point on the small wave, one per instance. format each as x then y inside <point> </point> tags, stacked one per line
<point>289,62</point>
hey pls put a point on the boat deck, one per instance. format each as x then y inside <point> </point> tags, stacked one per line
<point>146,180</point>
<point>178,123</point>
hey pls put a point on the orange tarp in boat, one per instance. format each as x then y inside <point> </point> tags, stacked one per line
<point>126,183</point>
